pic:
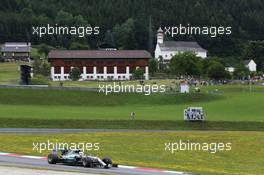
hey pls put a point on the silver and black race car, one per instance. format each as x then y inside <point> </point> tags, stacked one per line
<point>77,157</point>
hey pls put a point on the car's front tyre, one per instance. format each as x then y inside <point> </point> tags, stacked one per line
<point>52,159</point>
<point>107,161</point>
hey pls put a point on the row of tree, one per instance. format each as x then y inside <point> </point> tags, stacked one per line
<point>133,24</point>
<point>187,64</point>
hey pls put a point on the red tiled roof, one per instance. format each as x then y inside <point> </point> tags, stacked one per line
<point>98,54</point>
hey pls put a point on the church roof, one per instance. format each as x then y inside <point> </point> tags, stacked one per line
<point>181,46</point>
<point>160,30</point>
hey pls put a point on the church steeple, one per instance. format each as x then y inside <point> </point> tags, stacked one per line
<point>160,36</point>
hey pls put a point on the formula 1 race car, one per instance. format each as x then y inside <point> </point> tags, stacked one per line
<point>77,157</point>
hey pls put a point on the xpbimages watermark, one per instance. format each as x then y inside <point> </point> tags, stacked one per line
<point>212,147</point>
<point>212,31</point>
<point>80,31</point>
<point>50,145</point>
<point>128,88</point>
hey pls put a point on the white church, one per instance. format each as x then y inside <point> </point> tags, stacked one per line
<point>167,49</point>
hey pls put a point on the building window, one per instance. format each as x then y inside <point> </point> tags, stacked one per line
<point>121,69</point>
<point>57,70</point>
<point>67,69</point>
<point>110,69</point>
<point>89,69</point>
<point>100,70</point>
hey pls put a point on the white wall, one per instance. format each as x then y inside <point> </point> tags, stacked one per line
<point>230,69</point>
<point>252,67</point>
<point>96,76</point>
<point>201,54</point>
<point>167,55</point>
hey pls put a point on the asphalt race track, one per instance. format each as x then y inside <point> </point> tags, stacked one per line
<point>41,163</point>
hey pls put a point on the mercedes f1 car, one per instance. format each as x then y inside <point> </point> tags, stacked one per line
<point>77,157</point>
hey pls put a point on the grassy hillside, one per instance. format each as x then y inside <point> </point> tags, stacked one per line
<point>9,73</point>
<point>48,108</point>
<point>96,99</point>
<point>232,104</point>
<point>84,108</point>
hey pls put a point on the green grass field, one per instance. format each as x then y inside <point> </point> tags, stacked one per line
<point>231,110</point>
<point>9,73</point>
<point>148,149</point>
<point>231,105</point>
<point>48,106</point>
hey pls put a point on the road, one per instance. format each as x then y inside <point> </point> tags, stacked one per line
<point>13,160</point>
<point>29,171</point>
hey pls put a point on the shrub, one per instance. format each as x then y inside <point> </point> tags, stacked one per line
<point>41,67</point>
<point>75,74</point>
<point>138,74</point>
<point>39,80</point>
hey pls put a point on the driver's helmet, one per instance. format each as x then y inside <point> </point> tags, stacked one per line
<point>64,151</point>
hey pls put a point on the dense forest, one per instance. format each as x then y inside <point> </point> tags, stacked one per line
<point>132,24</point>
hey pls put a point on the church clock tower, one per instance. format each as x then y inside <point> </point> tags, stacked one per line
<point>160,36</point>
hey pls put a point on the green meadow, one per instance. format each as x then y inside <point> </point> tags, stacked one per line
<point>147,149</point>
<point>226,107</point>
<point>232,104</point>
<point>9,73</point>
<point>229,104</point>
<point>234,113</point>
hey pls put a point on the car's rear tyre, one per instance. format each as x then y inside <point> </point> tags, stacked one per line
<point>52,158</point>
<point>87,162</point>
<point>107,161</point>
